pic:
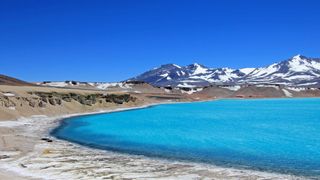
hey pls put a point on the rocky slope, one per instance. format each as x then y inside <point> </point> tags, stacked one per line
<point>26,101</point>
<point>296,71</point>
<point>23,101</point>
<point>6,80</point>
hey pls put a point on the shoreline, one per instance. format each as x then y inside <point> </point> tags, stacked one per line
<point>178,169</point>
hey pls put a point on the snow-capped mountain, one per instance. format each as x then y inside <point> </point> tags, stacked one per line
<point>296,71</point>
<point>192,75</point>
<point>299,70</point>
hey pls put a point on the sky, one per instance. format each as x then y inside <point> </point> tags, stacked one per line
<point>113,40</point>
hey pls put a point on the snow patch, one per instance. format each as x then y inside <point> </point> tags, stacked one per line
<point>167,90</point>
<point>190,81</point>
<point>104,86</point>
<point>299,65</point>
<point>247,70</point>
<point>287,93</point>
<point>125,86</point>
<point>164,75</point>
<point>300,77</point>
<point>56,84</point>
<point>298,56</point>
<point>9,94</point>
<point>232,88</point>
<point>186,85</point>
<point>296,89</point>
<point>224,78</point>
<point>308,84</point>
<point>262,72</point>
<point>268,85</point>
<point>199,69</point>
<point>192,91</point>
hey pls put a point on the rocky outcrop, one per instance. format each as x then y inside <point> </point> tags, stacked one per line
<point>6,102</point>
<point>54,98</point>
<point>43,99</point>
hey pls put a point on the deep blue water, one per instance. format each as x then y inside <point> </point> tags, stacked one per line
<point>281,135</point>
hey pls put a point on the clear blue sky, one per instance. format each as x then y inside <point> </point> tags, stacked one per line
<point>112,40</point>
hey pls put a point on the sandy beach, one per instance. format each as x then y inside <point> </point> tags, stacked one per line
<point>29,157</point>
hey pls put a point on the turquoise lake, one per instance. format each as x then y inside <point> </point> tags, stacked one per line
<point>277,135</point>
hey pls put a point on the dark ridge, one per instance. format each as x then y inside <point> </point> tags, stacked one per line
<point>6,80</point>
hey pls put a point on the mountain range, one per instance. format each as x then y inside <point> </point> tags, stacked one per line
<point>296,71</point>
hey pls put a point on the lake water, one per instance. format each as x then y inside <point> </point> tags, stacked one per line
<point>280,135</point>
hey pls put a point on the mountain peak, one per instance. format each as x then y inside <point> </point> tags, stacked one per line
<point>298,57</point>
<point>197,68</point>
<point>195,65</point>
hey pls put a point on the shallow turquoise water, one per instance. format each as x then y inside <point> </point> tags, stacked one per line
<point>281,135</point>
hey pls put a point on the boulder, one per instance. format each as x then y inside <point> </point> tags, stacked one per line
<point>52,101</point>
<point>42,104</point>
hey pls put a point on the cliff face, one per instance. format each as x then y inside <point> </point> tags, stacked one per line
<point>54,98</point>
<point>44,99</point>
<point>16,104</point>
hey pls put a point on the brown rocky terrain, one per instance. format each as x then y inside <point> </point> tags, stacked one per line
<point>17,101</point>
<point>259,92</point>
<point>254,91</point>
<point>6,80</point>
<point>25,101</point>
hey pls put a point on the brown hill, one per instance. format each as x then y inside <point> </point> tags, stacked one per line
<point>6,80</point>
